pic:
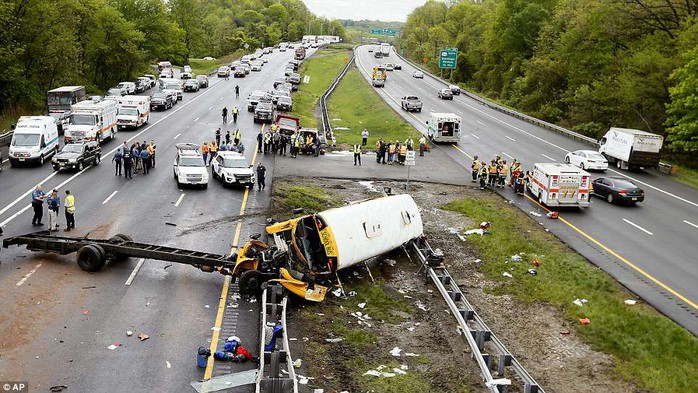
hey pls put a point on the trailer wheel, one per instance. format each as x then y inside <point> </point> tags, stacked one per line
<point>121,237</point>
<point>91,257</point>
<point>250,283</point>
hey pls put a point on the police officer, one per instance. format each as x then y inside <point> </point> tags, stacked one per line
<point>218,136</point>
<point>128,166</point>
<point>225,115</point>
<point>38,206</point>
<point>260,143</point>
<point>118,155</point>
<point>261,181</point>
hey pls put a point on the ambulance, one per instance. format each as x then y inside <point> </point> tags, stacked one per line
<point>308,251</point>
<point>134,111</point>
<point>560,185</point>
<point>92,121</point>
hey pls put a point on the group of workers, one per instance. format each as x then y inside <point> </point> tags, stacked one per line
<point>53,202</point>
<point>496,172</point>
<point>137,157</point>
<point>275,142</point>
<point>396,151</point>
<point>209,150</point>
<point>234,111</point>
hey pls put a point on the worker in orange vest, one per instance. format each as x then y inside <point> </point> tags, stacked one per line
<point>475,168</point>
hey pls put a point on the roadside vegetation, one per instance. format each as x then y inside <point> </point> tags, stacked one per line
<point>205,67</point>
<point>354,105</point>
<point>583,65</point>
<point>321,68</point>
<point>649,348</point>
<point>98,43</point>
<point>311,198</point>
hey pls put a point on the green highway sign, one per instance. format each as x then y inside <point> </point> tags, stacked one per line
<point>390,32</point>
<point>447,58</point>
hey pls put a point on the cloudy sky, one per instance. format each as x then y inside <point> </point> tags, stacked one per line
<point>386,10</point>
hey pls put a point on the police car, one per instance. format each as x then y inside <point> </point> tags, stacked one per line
<point>232,168</point>
<point>189,166</point>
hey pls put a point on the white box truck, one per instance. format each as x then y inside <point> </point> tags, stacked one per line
<point>92,121</point>
<point>35,139</point>
<point>444,127</point>
<point>134,111</point>
<point>629,148</point>
<point>560,185</point>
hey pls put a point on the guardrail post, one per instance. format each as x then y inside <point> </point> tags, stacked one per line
<point>530,388</point>
<point>504,361</point>
<point>481,337</point>
<point>456,296</point>
<point>467,314</point>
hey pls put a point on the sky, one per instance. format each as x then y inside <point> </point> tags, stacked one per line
<point>384,10</point>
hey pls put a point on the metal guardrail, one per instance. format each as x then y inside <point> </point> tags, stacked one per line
<point>5,138</point>
<point>326,126</point>
<point>479,337</point>
<point>561,130</point>
<point>276,372</point>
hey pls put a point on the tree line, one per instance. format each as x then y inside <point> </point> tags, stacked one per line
<point>98,43</point>
<point>586,65</point>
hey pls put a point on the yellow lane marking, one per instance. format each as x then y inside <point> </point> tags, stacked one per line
<point>226,282</point>
<point>460,150</point>
<point>615,254</point>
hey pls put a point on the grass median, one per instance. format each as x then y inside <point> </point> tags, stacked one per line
<point>650,349</point>
<point>321,68</point>
<point>354,105</point>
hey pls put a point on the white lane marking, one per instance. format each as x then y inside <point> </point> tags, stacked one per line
<point>179,200</point>
<point>195,120</point>
<point>475,136</point>
<point>135,271</point>
<point>479,122</point>
<point>168,364</point>
<point>177,136</point>
<point>4,223</point>
<point>210,107</point>
<point>5,160</point>
<point>221,99</point>
<point>691,224</point>
<point>508,155</point>
<point>26,276</point>
<point>638,227</point>
<point>548,157</point>
<point>654,188</point>
<point>510,138</point>
<point>109,197</point>
<point>26,194</point>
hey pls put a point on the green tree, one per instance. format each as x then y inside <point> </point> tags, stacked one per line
<point>682,111</point>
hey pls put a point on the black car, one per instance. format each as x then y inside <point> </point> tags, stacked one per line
<point>284,103</point>
<point>445,94</point>
<point>264,112</point>
<point>77,156</point>
<point>618,189</point>
<point>191,85</point>
<point>279,81</point>
<point>161,100</point>
<point>203,80</point>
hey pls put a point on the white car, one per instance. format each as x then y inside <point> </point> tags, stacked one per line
<point>129,86</point>
<point>232,168</point>
<point>418,74</point>
<point>587,160</point>
<point>209,58</point>
<point>390,67</point>
<point>256,66</point>
<point>189,167</point>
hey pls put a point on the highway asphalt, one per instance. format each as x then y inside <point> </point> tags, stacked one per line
<point>57,321</point>
<point>650,248</point>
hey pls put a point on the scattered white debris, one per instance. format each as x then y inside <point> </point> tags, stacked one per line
<point>421,306</point>
<point>580,302</point>
<point>297,363</point>
<point>319,390</point>
<point>129,333</point>
<point>319,314</point>
<point>516,258</point>
<point>292,339</point>
<point>478,260</point>
<point>498,382</point>
<point>630,302</point>
<point>478,231</point>
<point>535,214</point>
<point>369,186</point>
<point>395,351</point>
<point>410,354</point>
<point>404,367</point>
<point>430,291</point>
<point>374,373</point>
<point>390,262</point>
<point>362,305</point>
<point>352,293</point>
<point>207,306</point>
<point>334,340</point>
<point>507,274</point>
<point>457,233</point>
<point>168,364</point>
<point>112,347</point>
<point>253,300</point>
<point>399,371</point>
<point>407,297</point>
<point>303,380</point>
<point>337,292</point>
<point>216,329</point>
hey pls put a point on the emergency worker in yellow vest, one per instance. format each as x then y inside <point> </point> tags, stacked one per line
<point>503,170</point>
<point>357,153</point>
<point>484,173</point>
<point>475,168</point>
<point>492,174</point>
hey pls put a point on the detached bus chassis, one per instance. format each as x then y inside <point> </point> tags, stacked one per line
<point>92,254</point>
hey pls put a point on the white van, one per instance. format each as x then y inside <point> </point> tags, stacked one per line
<point>134,111</point>
<point>35,139</point>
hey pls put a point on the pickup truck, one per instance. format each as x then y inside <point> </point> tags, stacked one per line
<point>411,103</point>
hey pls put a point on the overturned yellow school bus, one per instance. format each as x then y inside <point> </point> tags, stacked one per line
<point>307,251</point>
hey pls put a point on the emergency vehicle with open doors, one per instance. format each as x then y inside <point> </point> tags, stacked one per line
<point>560,185</point>
<point>444,127</point>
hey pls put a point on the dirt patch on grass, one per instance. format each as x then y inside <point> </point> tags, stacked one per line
<point>338,346</point>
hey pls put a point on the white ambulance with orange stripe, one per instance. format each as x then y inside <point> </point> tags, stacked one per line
<point>560,185</point>
<point>134,111</point>
<point>92,121</point>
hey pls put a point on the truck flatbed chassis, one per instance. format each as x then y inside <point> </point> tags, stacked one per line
<point>92,254</point>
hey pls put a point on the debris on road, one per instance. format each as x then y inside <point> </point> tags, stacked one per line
<point>57,388</point>
<point>167,266</point>
<point>143,336</point>
<point>114,346</point>
<point>129,333</point>
<point>553,215</point>
<point>168,364</point>
<point>171,224</point>
<point>216,329</point>
<point>535,214</point>
<point>297,363</point>
<point>395,351</point>
<point>85,312</point>
<point>580,302</point>
<point>90,287</point>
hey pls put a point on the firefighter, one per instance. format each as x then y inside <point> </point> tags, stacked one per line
<point>515,167</point>
<point>484,174</point>
<point>519,183</point>
<point>475,168</point>
<point>422,144</point>
<point>492,173</point>
<point>503,170</point>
